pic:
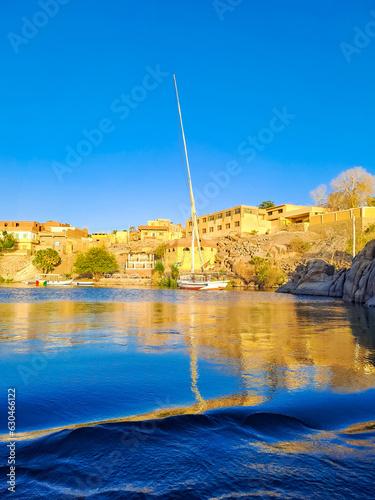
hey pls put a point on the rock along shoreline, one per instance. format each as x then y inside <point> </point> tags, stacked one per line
<point>356,284</point>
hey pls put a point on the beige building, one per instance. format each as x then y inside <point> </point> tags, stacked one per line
<point>31,236</point>
<point>281,216</point>
<point>179,252</point>
<point>160,229</point>
<point>241,219</point>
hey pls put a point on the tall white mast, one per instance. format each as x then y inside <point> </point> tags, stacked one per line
<point>193,211</point>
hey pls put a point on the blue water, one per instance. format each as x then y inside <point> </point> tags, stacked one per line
<point>171,394</point>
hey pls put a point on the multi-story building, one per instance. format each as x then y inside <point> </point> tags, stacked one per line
<point>281,216</point>
<point>31,236</point>
<point>241,219</point>
<point>160,229</point>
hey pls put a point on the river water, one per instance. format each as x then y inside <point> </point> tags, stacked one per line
<point>171,394</point>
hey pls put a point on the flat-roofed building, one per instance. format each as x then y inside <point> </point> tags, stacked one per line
<point>242,219</point>
<point>284,215</point>
<point>160,229</point>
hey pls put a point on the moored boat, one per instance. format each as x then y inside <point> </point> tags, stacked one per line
<point>49,280</point>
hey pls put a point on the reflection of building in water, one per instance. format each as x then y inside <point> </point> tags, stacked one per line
<point>269,346</point>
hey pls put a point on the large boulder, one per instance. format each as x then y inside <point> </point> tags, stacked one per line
<point>317,277</point>
<point>360,279</point>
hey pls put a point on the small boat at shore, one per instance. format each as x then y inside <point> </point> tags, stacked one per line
<point>83,283</point>
<point>49,280</point>
<point>204,280</point>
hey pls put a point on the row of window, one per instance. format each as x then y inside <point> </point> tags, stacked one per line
<point>220,228</point>
<point>220,216</point>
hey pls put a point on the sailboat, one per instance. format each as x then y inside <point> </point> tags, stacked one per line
<point>194,281</point>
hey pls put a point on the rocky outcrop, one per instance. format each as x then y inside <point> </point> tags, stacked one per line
<point>356,284</point>
<point>359,284</point>
<point>317,277</point>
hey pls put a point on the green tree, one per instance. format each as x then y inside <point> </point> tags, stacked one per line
<point>7,240</point>
<point>266,204</point>
<point>46,260</point>
<point>95,261</point>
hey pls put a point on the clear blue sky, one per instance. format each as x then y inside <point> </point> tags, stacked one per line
<point>235,66</point>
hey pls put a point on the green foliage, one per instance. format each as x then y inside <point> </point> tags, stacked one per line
<point>266,204</point>
<point>174,271</point>
<point>167,282</point>
<point>268,274</point>
<point>114,231</point>
<point>299,246</point>
<point>254,231</point>
<point>361,240</point>
<point>7,240</point>
<point>46,260</point>
<point>160,250</point>
<point>2,279</point>
<point>96,262</point>
<point>159,267</point>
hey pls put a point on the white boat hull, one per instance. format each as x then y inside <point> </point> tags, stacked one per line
<point>202,285</point>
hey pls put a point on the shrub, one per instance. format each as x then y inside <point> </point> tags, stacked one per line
<point>268,274</point>
<point>254,231</point>
<point>167,282</point>
<point>299,246</point>
<point>159,267</point>
<point>2,279</point>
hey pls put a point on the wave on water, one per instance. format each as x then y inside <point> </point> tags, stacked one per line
<point>265,452</point>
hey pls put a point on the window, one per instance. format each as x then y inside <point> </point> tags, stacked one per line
<point>204,231</point>
<point>270,213</point>
<point>25,235</point>
<point>57,243</point>
<point>237,224</point>
<point>17,224</point>
<point>219,228</point>
<point>247,211</point>
<point>227,226</point>
<point>227,214</point>
<point>211,229</point>
<point>204,219</point>
<point>211,217</point>
<point>237,211</point>
<point>219,216</point>
<point>280,211</point>
<point>160,234</point>
<point>198,221</point>
<point>146,233</point>
<point>17,236</point>
<point>190,223</point>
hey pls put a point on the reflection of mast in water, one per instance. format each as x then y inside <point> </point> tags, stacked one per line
<point>194,364</point>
